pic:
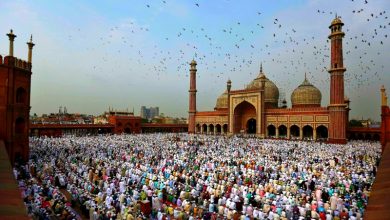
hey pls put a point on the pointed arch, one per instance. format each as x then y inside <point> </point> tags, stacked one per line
<point>197,130</point>
<point>282,131</point>
<point>294,132</point>
<point>271,130</point>
<point>244,112</point>
<point>322,132</point>
<point>219,128</point>
<point>225,128</point>
<point>211,129</point>
<point>307,132</point>
<point>204,128</point>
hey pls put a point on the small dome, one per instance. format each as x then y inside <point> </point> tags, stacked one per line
<point>193,62</point>
<point>306,95</point>
<point>335,21</point>
<point>271,91</point>
<point>222,101</point>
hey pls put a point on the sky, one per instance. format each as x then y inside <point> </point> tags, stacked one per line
<point>124,54</point>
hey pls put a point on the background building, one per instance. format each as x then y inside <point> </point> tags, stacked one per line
<point>124,122</point>
<point>149,113</point>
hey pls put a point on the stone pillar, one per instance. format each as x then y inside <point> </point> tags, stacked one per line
<point>314,134</point>
<point>215,130</point>
<point>222,129</point>
<point>11,37</point>
<point>288,133</point>
<point>277,132</point>
<point>208,129</point>
<point>300,133</point>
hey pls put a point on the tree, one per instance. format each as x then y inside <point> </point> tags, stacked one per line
<point>355,123</point>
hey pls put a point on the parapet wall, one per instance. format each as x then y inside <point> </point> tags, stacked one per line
<point>378,203</point>
<point>16,62</point>
<point>385,126</point>
<point>11,203</point>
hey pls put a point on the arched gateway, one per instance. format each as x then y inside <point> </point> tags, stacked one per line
<point>244,118</point>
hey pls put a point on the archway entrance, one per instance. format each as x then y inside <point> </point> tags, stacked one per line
<point>271,131</point>
<point>244,118</point>
<point>307,132</point>
<point>204,128</point>
<point>218,126</point>
<point>225,128</point>
<point>322,133</point>
<point>211,129</point>
<point>127,130</point>
<point>294,132</point>
<point>197,128</point>
<point>282,131</point>
<point>251,126</point>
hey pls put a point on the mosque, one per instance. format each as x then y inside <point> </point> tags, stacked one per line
<point>255,110</point>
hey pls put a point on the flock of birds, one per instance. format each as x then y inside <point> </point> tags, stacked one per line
<point>239,47</point>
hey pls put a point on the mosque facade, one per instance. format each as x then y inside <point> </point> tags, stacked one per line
<point>255,108</point>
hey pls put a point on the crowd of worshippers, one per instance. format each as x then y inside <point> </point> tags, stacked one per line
<point>181,176</point>
<point>43,198</point>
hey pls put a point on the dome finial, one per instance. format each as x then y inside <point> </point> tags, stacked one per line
<point>261,67</point>
<point>305,81</point>
<point>261,74</point>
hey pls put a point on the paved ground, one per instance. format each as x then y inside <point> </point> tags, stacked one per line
<point>76,208</point>
<point>11,203</point>
<point>379,202</point>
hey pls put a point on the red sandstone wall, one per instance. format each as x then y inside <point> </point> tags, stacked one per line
<point>125,124</point>
<point>13,75</point>
<point>385,126</point>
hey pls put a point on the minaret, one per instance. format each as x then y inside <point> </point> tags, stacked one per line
<point>383,96</point>
<point>260,130</point>
<point>30,47</point>
<point>11,37</point>
<point>228,88</point>
<point>192,104</point>
<point>337,107</point>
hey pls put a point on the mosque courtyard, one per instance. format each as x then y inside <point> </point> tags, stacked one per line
<point>182,176</point>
